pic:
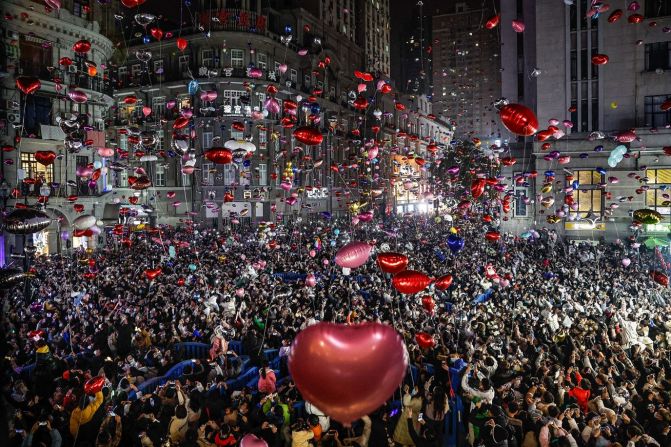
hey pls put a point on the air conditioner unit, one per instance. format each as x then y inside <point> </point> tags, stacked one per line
<point>11,105</point>
<point>14,118</point>
<point>72,69</point>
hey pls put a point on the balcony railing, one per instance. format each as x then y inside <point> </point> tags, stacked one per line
<point>77,79</point>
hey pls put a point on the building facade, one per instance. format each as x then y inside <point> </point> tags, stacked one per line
<point>38,44</point>
<point>466,69</point>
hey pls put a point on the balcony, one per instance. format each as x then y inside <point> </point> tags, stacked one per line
<point>67,78</point>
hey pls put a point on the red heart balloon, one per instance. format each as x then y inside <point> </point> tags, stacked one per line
<point>428,303</point>
<point>410,281</point>
<point>151,274</point>
<point>348,371</point>
<point>157,33</point>
<point>392,262</point>
<point>219,155</point>
<point>424,340</point>
<point>492,236</point>
<point>252,441</point>
<point>308,135</point>
<point>133,200</point>
<point>94,385</point>
<point>78,207</point>
<point>478,187</point>
<point>45,157</point>
<point>28,84</point>
<point>181,43</point>
<point>444,282</point>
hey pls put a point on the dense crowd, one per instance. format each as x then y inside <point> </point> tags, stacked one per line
<point>544,342</point>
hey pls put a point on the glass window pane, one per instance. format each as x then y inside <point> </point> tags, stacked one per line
<point>664,176</point>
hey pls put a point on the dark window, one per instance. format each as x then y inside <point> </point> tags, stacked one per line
<point>654,115</point>
<point>657,8</point>
<point>37,111</point>
<point>657,56</point>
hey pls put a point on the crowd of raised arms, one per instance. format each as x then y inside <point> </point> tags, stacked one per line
<point>538,341</point>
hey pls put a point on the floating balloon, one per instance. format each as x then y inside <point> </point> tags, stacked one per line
<point>353,255</point>
<point>181,43</point>
<point>78,96</point>
<point>392,262</point>
<point>84,222</point>
<point>428,304</point>
<point>94,385</point>
<point>425,341</point>
<point>626,262</point>
<point>647,216</point>
<point>82,46</point>
<point>455,243</point>
<point>45,157</point>
<point>28,84</point>
<point>251,440</point>
<point>493,22</point>
<point>519,119</point>
<point>219,155</point>
<point>410,281</point>
<point>151,274</point>
<point>308,135</point>
<point>347,371</point>
<point>478,187</point>
<point>660,278</point>
<point>444,282</point>
<point>26,221</point>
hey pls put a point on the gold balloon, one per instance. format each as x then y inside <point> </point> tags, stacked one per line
<point>547,187</point>
<point>647,216</point>
<point>89,251</point>
<point>553,219</point>
<point>547,202</point>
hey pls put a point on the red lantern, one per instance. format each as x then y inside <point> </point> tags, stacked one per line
<point>424,340</point>
<point>493,22</point>
<point>28,84</point>
<point>392,262</point>
<point>181,43</point>
<point>410,281</point>
<point>82,47</point>
<point>444,282</point>
<point>519,119</point>
<point>308,135</point>
<point>219,155</point>
<point>94,385</point>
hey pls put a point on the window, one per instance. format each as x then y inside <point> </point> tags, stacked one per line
<point>184,102</point>
<point>123,142</point>
<point>36,170</point>
<point>656,198</point>
<point>588,196</point>
<point>207,173</point>
<point>263,174</point>
<point>263,139</point>
<point>245,175</point>
<point>122,177</point>
<point>158,106</point>
<point>521,196</point>
<point>293,75</point>
<point>136,70</point>
<point>229,174</point>
<point>657,8</point>
<point>262,61</point>
<point>586,177</point>
<point>206,58</point>
<point>237,135</point>
<point>232,97</point>
<point>277,67</point>
<point>184,61</point>
<point>122,74</point>
<point>654,115</point>
<point>186,180</point>
<point>158,67</point>
<point>160,136</point>
<point>307,80</point>
<point>160,175</point>
<point>237,58</point>
<point>657,56</point>
<point>207,140</point>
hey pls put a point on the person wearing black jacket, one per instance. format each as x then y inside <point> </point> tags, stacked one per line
<point>426,437</point>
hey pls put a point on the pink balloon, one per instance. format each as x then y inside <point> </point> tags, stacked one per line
<point>518,26</point>
<point>361,88</point>
<point>251,440</point>
<point>285,186</point>
<point>271,105</point>
<point>312,253</point>
<point>372,152</point>
<point>106,152</point>
<point>78,96</point>
<point>53,4</point>
<point>348,371</point>
<point>146,110</point>
<point>353,255</point>
<point>170,104</point>
<point>282,68</point>
<point>291,201</point>
<point>626,262</point>
<point>310,280</point>
<point>239,293</point>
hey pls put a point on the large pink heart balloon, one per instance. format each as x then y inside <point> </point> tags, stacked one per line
<point>348,371</point>
<point>252,441</point>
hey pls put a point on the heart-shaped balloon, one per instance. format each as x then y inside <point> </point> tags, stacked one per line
<point>94,385</point>
<point>391,262</point>
<point>348,371</point>
<point>151,274</point>
<point>157,33</point>
<point>28,84</point>
<point>252,441</point>
<point>45,157</point>
<point>132,3</point>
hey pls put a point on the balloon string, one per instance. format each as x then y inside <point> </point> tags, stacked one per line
<point>18,148</point>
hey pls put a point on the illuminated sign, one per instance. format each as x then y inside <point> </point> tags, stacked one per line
<point>317,193</point>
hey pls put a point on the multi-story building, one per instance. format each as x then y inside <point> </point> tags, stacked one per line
<point>596,105</point>
<point>373,34</point>
<point>411,63</point>
<point>466,69</point>
<point>245,55</point>
<point>38,44</point>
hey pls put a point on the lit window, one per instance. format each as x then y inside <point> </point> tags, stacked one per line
<point>237,58</point>
<point>262,61</point>
<point>36,170</point>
